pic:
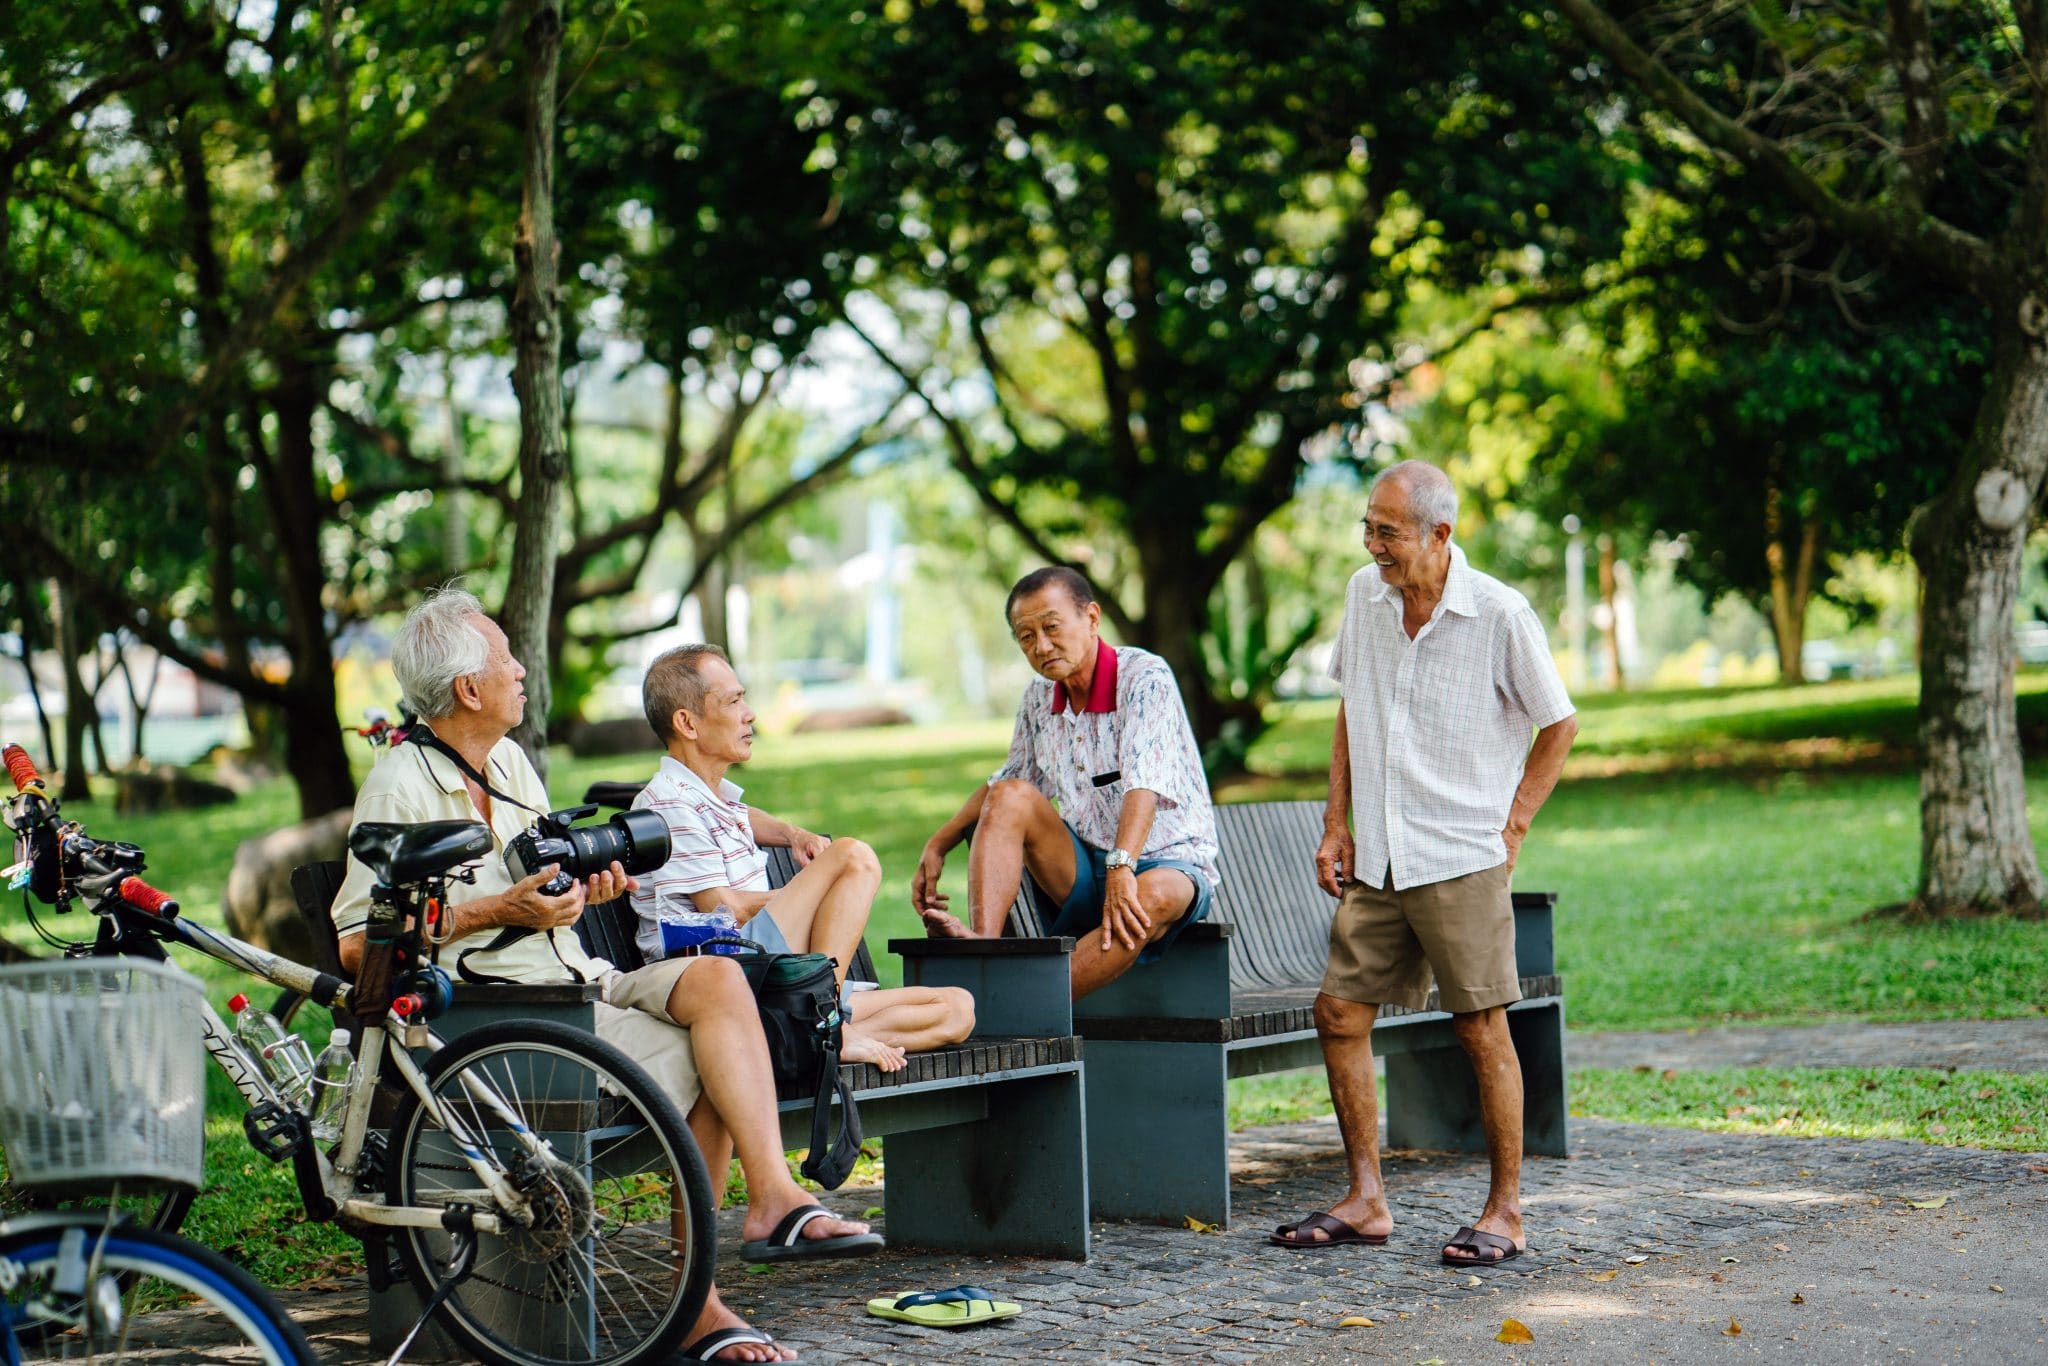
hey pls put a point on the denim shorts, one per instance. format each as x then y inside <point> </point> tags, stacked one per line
<point>1082,910</point>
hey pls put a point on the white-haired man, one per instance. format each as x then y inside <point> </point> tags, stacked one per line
<point>1444,672</point>
<point>701,1042</point>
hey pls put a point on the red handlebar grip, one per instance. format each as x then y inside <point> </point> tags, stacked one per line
<point>146,898</point>
<point>21,768</point>
<point>405,1007</point>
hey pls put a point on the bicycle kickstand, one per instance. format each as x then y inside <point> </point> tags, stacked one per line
<point>461,1261</point>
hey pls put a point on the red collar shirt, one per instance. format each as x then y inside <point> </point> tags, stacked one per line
<point>1440,726</point>
<point>1133,733</point>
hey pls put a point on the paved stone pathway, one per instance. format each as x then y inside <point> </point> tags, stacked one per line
<point>1988,1045</point>
<point>1156,1295</point>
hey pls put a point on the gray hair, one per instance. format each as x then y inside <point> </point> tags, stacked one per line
<point>438,644</point>
<point>675,682</point>
<point>1432,497</point>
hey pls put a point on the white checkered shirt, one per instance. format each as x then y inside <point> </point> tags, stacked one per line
<point>711,844</point>
<point>1146,742</point>
<point>1440,725</point>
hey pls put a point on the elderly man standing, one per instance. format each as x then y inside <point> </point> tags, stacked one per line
<point>1131,847</point>
<point>701,1042</point>
<point>1444,672</point>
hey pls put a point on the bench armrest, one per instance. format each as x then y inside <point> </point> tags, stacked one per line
<point>1021,987</point>
<point>1535,946</point>
<point>1192,979</point>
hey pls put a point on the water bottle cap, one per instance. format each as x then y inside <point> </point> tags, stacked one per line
<point>341,1036</point>
<point>238,1003</point>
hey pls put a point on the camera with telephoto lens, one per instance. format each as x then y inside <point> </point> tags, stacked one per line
<point>637,840</point>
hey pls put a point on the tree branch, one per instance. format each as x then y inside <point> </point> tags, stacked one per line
<point>1912,47</point>
<point>1903,233</point>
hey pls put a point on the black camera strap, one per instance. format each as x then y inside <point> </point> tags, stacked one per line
<point>423,735</point>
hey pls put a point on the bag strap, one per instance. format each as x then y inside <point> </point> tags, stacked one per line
<point>830,1166</point>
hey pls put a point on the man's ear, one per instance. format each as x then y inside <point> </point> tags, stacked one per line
<point>682,723</point>
<point>1095,617</point>
<point>468,694</point>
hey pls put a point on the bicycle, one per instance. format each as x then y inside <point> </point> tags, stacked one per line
<point>101,1088</point>
<point>544,1198</point>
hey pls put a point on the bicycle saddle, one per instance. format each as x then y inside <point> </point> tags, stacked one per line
<point>403,854</point>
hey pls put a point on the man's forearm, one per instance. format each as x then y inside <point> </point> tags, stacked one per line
<point>770,831</point>
<point>1337,814</point>
<point>1541,772</point>
<point>1134,820</point>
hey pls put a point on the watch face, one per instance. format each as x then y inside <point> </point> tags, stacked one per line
<point>1118,858</point>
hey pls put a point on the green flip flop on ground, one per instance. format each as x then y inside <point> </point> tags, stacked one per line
<point>959,1307</point>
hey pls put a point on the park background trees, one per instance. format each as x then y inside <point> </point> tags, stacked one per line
<point>1157,284</point>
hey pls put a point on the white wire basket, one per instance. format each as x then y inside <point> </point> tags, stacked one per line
<point>102,1077</point>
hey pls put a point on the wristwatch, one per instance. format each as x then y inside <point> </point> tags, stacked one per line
<point>1117,858</point>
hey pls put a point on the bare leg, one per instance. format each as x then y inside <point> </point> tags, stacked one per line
<point>1345,1030</point>
<point>716,1146</point>
<point>912,1018</point>
<point>824,908</point>
<point>712,1000</point>
<point>1491,1048</point>
<point>1166,894</point>
<point>1019,829</point>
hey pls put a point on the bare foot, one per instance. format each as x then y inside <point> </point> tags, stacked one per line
<point>1501,1224</point>
<point>943,925</point>
<point>855,1046</point>
<point>717,1318</point>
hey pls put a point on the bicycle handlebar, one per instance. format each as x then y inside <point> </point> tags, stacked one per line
<point>148,899</point>
<point>21,769</point>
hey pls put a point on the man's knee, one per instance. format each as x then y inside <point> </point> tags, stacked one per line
<point>958,1005</point>
<point>1481,1030</point>
<point>1337,1018</point>
<point>711,984</point>
<point>856,857</point>
<point>1011,800</point>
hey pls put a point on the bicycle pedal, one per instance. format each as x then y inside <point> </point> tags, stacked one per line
<point>276,1131</point>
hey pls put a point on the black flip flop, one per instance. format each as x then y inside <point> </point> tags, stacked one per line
<point>717,1340</point>
<point>1341,1234</point>
<point>1478,1242</point>
<point>787,1243</point>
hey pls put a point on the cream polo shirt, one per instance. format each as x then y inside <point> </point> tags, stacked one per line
<point>1440,726</point>
<point>416,784</point>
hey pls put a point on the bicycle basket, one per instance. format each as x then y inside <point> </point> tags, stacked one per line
<point>101,1077</point>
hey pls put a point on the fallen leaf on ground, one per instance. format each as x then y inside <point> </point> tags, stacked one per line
<point>1355,1321</point>
<point>1717,1276</point>
<point>871,1212</point>
<point>1606,1275</point>
<point>1733,1330</point>
<point>1197,1226</point>
<point>1798,1298</point>
<point>1473,1280</point>
<point>1514,1330</point>
<point>1781,1247</point>
<point>1935,1202</point>
<point>2041,1167</point>
<point>1999,1288</point>
<point>1726,1260</point>
<point>1637,1259</point>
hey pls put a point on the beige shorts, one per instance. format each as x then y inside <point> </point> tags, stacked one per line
<point>1386,945</point>
<point>633,1017</point>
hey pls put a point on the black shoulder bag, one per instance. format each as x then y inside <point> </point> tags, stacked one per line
<point>797,995</point>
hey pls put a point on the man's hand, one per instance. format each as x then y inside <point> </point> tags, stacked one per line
<point>1513,838</point>
<point>1123,916</point>
<point>1335,860</point>
<point>608,883</point>
<point>525,904</point>
<point>804,846</point>
<point>924,883</point>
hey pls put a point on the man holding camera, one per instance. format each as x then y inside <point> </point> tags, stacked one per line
<point>702,1045</point>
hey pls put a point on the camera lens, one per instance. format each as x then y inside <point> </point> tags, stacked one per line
<point>637,840</point>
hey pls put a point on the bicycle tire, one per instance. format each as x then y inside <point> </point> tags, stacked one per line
<point>593,1284</point>
<point>213,1311</point>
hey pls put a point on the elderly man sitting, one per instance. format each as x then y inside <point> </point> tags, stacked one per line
<point>698,708</point>
<point>701,1042</point>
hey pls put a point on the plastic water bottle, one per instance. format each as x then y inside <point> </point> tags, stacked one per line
<point>684,927</point>
<point>333,1071</point>
<point>281,1054</point>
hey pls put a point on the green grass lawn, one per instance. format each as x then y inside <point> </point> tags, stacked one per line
<point>1716,855</point>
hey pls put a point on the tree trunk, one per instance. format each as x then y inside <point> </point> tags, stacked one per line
<point>1791,586</point>
<point>76,782</point>
<point>537,379</point>
<point>312,742</point>
<point>139,700</point>
<point>1610,632</point>
<point>1976,851</point>
<point>35,697</point>
<point>1177,586</point>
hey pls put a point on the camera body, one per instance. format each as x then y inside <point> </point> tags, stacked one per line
<point>637,840</point>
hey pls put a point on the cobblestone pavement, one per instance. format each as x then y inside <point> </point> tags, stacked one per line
<point>1989,1045</point>
<point>1155,1294</point>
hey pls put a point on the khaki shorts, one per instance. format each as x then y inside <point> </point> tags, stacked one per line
<point>1386,945</point>
<point>634,1019</point>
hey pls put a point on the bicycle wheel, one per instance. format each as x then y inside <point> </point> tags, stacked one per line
<point>160,1208</point>
<point>617,1263</point>
<point>150,1296</point>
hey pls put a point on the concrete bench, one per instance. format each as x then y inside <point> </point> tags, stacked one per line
<point>1235,998</point>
